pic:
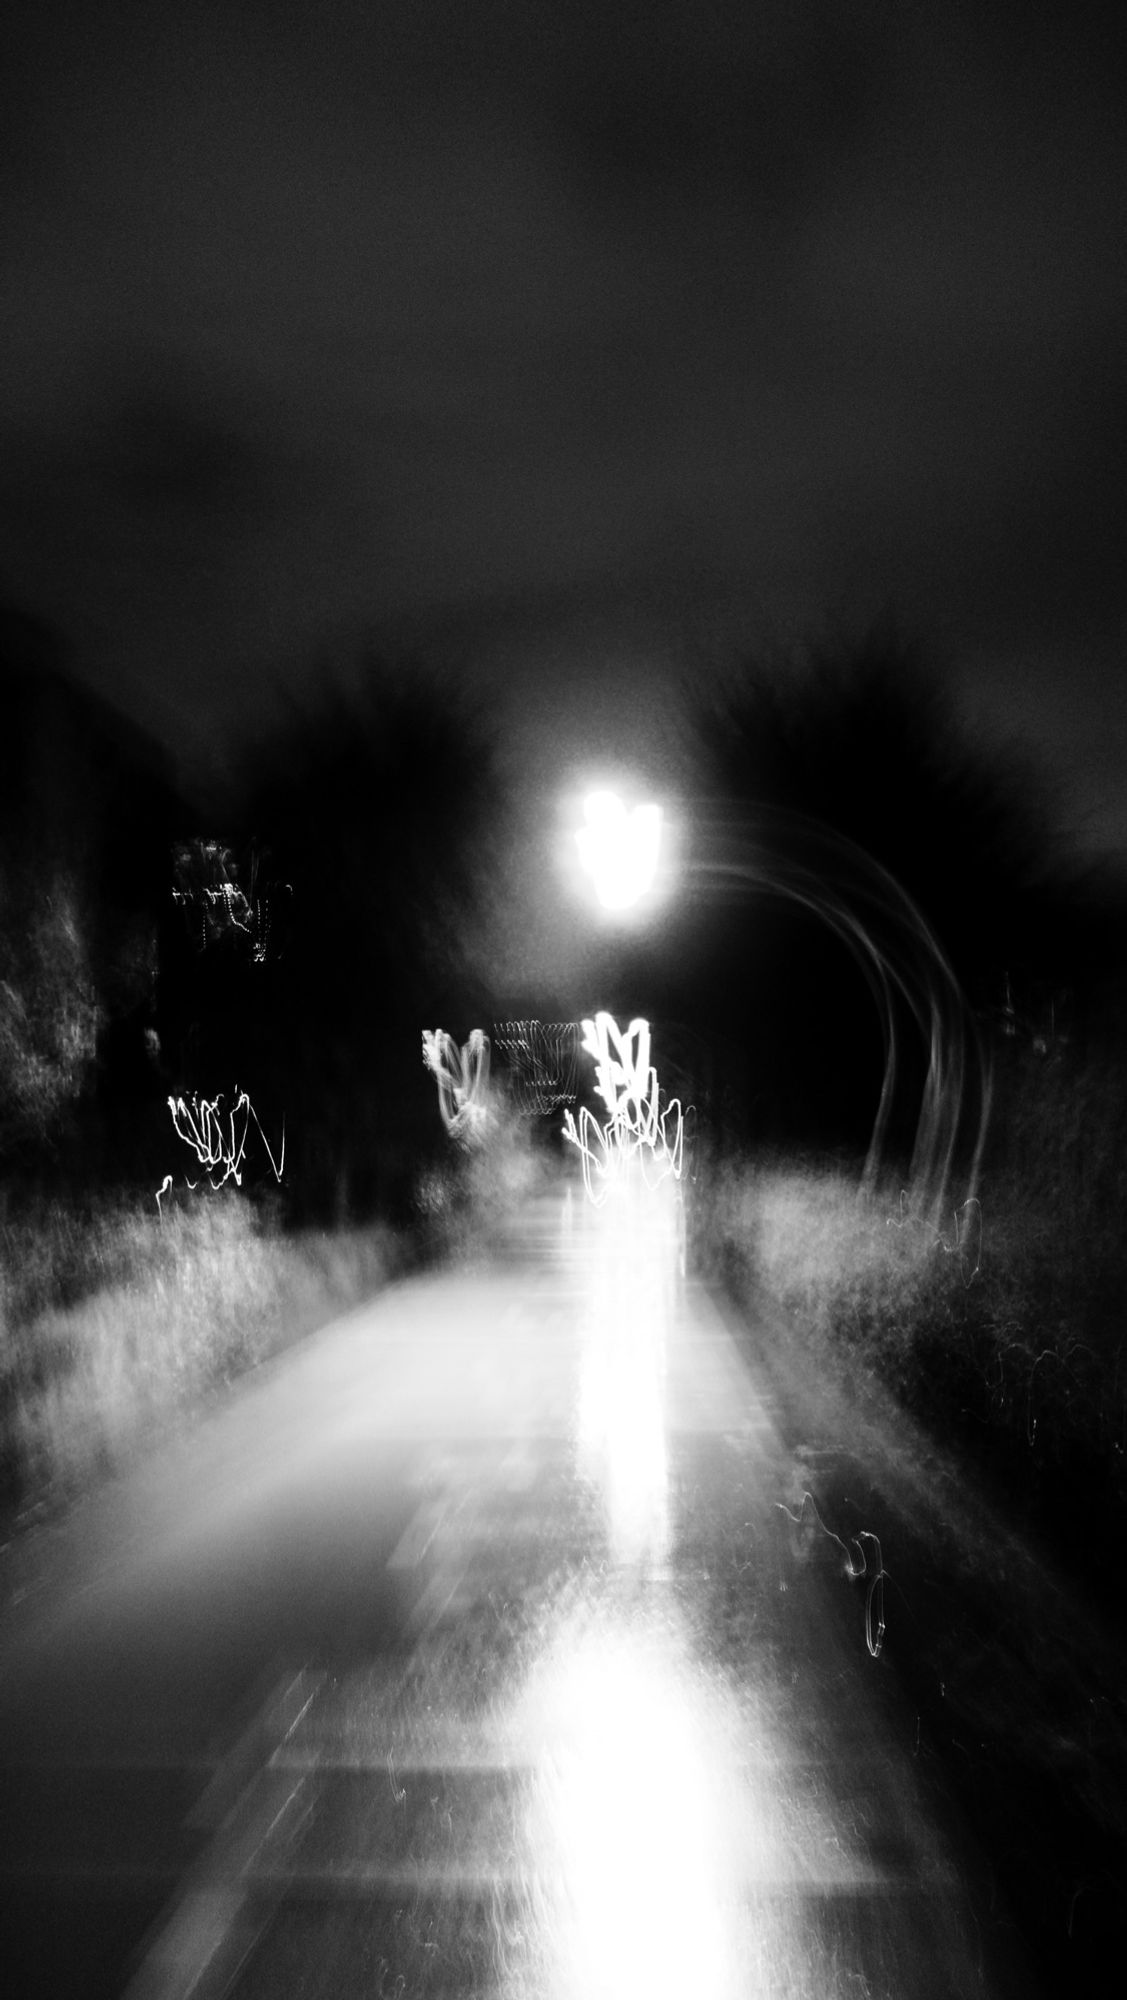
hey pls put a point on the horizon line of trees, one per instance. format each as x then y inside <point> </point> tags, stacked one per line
<point>342,898</point>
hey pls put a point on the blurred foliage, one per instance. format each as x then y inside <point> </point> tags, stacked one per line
<point>982,1426</point>
<point>861,738</point>
<point>291,935</point>
<point>49,1012</point>
<point>114,1320</point>
<point>379,821</point>
<point>86,809</point>
<point>1022,1362</point>
<point>467,1200</point>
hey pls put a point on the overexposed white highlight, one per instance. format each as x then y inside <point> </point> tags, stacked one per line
<point>619,848</point>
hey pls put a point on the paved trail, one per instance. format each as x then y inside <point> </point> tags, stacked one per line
<point>469,1650</point>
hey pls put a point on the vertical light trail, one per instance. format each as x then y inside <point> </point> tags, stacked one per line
<point>630,1173</point>
<point>622,1417</point>
<point>631,1829</point>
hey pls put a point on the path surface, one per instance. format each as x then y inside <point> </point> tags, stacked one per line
<point>469,1651</point>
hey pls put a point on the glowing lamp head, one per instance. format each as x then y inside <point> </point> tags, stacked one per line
<point>619,848</point>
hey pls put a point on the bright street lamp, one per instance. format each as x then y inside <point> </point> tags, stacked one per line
<point>619,848</point>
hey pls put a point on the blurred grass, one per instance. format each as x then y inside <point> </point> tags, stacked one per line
<point>932,1387</point>
<point>114,1321</point>
<point>1014,1346</point>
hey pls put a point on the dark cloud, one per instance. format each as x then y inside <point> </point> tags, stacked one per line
<point>536,325</point>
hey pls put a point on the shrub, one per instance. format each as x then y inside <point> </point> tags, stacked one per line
<point>1019,1356</point>
<point>114,1322</point>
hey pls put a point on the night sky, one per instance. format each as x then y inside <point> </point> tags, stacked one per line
<point>568,344</point>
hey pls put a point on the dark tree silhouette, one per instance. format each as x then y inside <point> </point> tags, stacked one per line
<point>861,739</point>
<point>87,809</point>
<point>383,818</point>
<point>864,739</point>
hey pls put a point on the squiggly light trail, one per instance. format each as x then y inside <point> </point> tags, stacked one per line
<point>965,1242</point>
<point>218,1143</point>
<point>866,1562</point>
<point>462,1075</point>
<point>637,1126</point>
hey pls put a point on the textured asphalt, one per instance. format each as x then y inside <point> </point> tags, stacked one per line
<point>480,1646</point>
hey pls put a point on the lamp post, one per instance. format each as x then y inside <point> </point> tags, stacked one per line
<point>619,848</point>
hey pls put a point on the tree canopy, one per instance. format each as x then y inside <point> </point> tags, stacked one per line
<point>377,817</point>
<point>807,759</point>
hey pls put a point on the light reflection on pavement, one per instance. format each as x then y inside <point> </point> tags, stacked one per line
<point>548,1704</point>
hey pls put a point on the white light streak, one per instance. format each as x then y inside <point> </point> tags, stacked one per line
<point>622,1448</point>
<point>462,1075</point>
<point>632,1821</point>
